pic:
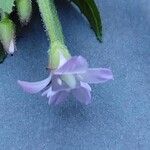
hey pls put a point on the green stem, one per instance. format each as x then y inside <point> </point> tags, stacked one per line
<point>54,29</point>
<point>51,20</point>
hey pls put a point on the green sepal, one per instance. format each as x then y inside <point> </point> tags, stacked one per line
<point>57,49</point>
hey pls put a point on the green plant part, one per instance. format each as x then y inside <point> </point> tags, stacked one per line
<point>54,30</point>
<point>7,35</point>
<point>24,8</point>
<point>57,48</point>
<point>7,5</point>
<point>91,12</point>
<point>51,20</point>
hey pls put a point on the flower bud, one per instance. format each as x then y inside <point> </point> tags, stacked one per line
<point>24,8</point>
<point>7,35</point>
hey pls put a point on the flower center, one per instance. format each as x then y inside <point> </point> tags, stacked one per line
<point>69,80</point>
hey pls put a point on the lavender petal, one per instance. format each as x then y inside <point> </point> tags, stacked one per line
<point>58,97</point>
<point>96,75</point>
<point>34,87</point>
<point>82,93</point>
<point>73,66</point>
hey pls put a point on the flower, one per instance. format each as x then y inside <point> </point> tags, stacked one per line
<point>72,75</point>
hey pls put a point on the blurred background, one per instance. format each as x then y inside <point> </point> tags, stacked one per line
<point>119,116</point>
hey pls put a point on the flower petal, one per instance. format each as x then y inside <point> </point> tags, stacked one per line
<point>34,87</point>
<point>55,97</point>
<point>83,93</point>
<point>96,75</point>
<point>75,65</point>
<point>58,97</point>
<point>85,85</point>
<point>48,92</point>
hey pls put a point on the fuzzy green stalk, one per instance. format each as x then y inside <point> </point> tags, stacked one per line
<point>24,8</point>
<point>50,19</point>
<point>54,29</point>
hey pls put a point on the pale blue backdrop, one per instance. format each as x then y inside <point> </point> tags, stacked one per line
<point>118,118</point>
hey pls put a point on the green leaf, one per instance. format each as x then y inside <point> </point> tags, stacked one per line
<point>90,10</point>
<point>6,5</point>
<point>2,54</point>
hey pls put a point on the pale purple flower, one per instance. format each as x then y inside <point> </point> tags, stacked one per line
<point>73,76</point>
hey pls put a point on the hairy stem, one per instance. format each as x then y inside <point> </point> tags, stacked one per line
<point>51,20</point>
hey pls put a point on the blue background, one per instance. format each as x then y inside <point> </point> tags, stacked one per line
<point>119,116</point>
